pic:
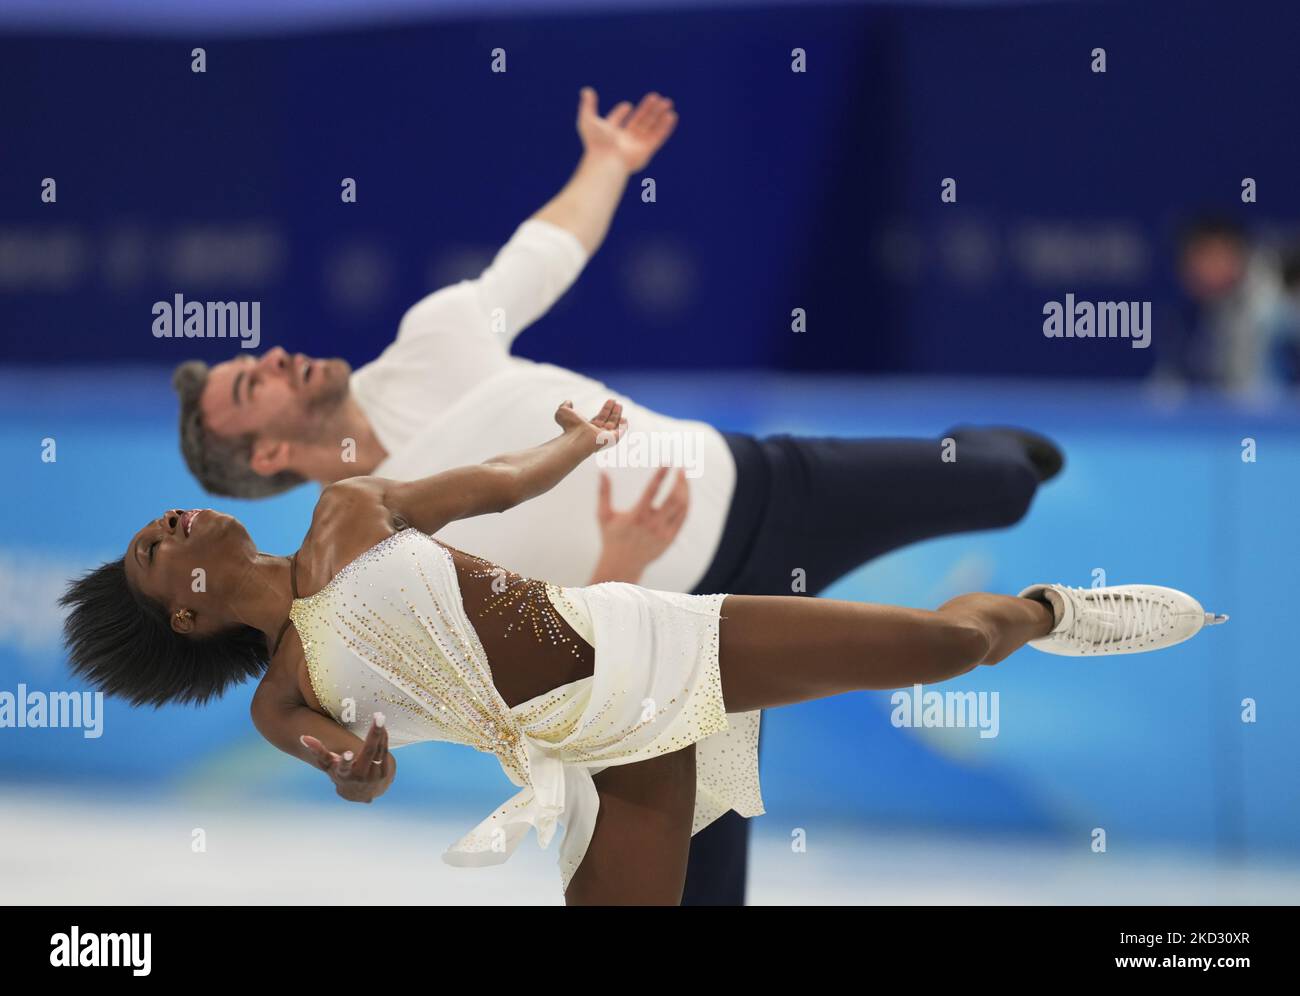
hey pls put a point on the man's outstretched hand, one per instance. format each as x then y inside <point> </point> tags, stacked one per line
<point>633,135</point>
<point>360,778</point>
<point>634,538</point>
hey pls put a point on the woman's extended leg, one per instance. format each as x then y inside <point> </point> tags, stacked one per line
<point>778,650</point>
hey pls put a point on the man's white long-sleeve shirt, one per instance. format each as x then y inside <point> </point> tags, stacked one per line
<point>447,393</point>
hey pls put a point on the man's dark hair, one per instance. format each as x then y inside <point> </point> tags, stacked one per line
<point>1208,227</point>
<point>221,464</point>
<point>1289,264</point>
<point>122,643</point>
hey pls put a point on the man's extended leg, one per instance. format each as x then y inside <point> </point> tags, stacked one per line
<point>836,504</point>
<point>830,505</point>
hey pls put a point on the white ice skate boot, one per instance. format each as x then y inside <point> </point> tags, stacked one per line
<point>1124,619</point>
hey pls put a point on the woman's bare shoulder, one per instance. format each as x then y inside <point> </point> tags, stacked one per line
<point>350,517</point>
<point>351,490</point>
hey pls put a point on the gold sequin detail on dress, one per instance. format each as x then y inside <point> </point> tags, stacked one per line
<point>526,605</point>
<point>390,633</point>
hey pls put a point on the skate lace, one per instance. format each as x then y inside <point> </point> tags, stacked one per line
<point>1107,617</point>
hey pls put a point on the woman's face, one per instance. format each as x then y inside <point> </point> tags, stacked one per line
<point>190,561</point>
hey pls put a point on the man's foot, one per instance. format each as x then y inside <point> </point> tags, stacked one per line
<point>1044,455</point>
<point>1124,619</point>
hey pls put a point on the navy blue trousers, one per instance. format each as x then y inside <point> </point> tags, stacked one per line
<point>827,506</point>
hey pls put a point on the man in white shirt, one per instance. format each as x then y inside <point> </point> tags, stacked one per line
<point>447,392</point>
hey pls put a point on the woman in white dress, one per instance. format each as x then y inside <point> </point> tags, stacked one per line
<point>629,717</point>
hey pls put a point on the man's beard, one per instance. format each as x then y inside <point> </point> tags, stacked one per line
<point>319,417</point>
<point>327,402</point>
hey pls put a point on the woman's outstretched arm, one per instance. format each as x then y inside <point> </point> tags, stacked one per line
<point>318,740</point>
<point>505,481</point>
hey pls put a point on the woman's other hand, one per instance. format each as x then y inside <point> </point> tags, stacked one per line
<point>362,777</point>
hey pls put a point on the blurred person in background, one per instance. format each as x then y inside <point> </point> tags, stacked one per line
<point>448,392</point>
<point>1286,356</point>
<point>1224,333</point>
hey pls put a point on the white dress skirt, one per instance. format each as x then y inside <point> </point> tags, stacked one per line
<point>389,633</point>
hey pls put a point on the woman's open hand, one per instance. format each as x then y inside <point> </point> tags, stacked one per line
<point>363,777</point>
<point>604,430</point>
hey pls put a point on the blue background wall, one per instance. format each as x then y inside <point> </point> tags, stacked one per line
<point>780,190</point>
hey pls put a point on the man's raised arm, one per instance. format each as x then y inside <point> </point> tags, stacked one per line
<point>614,147</point>
<point>548,251</point>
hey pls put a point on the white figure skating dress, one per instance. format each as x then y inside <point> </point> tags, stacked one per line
<point>390,633</point>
